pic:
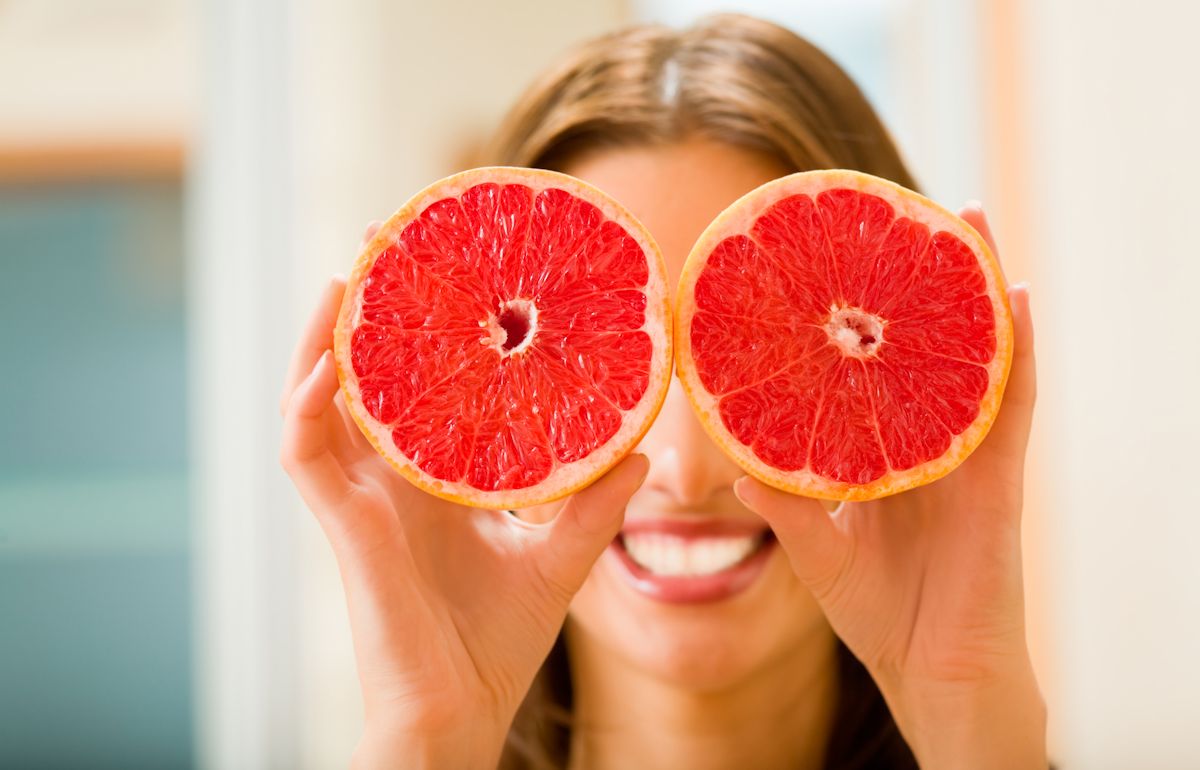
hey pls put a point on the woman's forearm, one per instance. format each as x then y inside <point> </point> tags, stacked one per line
<point>999,725</point>
<point>384,748</point>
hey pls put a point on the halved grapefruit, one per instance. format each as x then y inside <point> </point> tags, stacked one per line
<point>505,337</point>
<point>842,337</point>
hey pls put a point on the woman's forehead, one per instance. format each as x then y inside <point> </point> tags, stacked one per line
<point>676,189</point>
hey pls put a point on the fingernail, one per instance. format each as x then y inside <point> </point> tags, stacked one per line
<point>317,369</point>
<point>645,471</point>
<point>337,278</point>
<point>737,489</point>
<point>1022,286</point>
<point>975,204</point>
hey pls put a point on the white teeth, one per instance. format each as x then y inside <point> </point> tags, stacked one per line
<point>669,555</point>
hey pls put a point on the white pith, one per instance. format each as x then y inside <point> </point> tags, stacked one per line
<point>665,554</point>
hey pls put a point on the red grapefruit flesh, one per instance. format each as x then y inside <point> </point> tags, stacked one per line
<point>842,337</point>
<point>505,337</point>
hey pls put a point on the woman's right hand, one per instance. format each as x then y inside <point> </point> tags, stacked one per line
<point>453,609</point>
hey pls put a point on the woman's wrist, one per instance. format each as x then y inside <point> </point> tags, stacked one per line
<point>471,747</point>
<point>998,723</point>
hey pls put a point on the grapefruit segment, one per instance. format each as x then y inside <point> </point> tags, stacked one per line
<point>791,235</point>
<point>904,247</point>
<point>840,336</point>
<point>505,337</point>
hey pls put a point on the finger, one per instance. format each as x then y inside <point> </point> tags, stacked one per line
<point>588,523</point>
<point>316,338</point>
<point>973,214</point>
<point>1011,430</point>
<point>815,547</point>
<point>305,452</point>
<point>372,228</point>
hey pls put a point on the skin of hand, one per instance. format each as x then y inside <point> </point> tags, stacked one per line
<point>925,587</point>
<point>452,609</point>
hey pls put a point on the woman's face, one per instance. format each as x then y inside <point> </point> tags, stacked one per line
<point>705,631</point>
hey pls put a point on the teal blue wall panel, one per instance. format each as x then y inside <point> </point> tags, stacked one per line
<point>95,601</point>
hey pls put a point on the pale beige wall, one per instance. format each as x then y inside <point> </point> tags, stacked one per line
<point>1105,168</point>
<point>95,71</point>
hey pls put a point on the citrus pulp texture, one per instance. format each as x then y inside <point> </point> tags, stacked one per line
<point>842,337</point>
<point>505,337</point>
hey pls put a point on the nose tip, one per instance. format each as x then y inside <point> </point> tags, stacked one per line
<point>685,464</point>
<point>686,479</point>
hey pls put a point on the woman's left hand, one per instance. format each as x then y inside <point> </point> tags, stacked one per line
<point>925,586</point>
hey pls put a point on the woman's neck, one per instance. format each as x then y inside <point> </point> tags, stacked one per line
<point>780,717</point>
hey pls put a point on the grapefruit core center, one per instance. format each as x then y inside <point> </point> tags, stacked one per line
<point>514,328</point>
<point>854,331</point>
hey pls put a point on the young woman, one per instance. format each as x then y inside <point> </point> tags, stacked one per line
<point>879,635</point>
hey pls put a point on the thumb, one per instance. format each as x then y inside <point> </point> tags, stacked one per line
<point>816,548</point>
<point>588,523</point>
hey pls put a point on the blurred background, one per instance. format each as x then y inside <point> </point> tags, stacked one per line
<point>179,178</point>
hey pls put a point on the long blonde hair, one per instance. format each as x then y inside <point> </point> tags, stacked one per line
<point>735,79</point>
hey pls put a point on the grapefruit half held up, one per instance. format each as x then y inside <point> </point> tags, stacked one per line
<point>505,337</point>
<point>842,337</point>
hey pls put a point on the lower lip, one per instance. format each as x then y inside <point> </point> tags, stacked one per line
<point>693,589</point>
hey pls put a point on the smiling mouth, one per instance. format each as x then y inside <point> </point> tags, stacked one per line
<point>690,564</point>
<point>674,556</point>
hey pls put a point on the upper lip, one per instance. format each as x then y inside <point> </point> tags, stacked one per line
<point>696,527</point>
